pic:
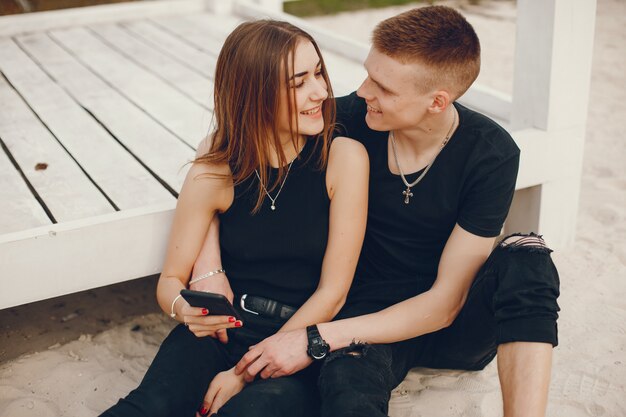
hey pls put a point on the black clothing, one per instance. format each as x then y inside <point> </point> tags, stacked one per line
<point>361,386</point>
<point>513,297</point>
<point>179,376</point>
<point>471,183</point>
<point>275,254</point>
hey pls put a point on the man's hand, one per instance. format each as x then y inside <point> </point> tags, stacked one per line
<point>224,386</point>
<point>279,355</point>
<point>217,284</point>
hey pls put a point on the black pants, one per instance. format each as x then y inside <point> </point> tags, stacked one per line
<point>513,298</point>
<point>180,374</point>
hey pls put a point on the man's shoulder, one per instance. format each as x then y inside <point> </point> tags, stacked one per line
<point>351,112</point>
<point>486,134</point>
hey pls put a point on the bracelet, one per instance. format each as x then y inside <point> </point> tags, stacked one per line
<point>173,313</point>
<point>207,275</point>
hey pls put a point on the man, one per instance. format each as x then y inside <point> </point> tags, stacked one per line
<point>429,291</point>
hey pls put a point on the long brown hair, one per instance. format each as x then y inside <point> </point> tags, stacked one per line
<point>251,67</point>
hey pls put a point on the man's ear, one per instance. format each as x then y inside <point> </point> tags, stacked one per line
<point>441,100</point>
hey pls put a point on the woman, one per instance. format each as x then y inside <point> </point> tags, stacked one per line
<point>292,218</point>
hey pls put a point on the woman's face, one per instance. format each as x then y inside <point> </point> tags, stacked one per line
<point>310,89</point>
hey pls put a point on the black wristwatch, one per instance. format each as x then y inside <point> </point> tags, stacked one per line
<point>318,348</point>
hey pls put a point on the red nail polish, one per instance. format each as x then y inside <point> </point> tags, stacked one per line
<point>205,311</point>
<point>204,411</point>
<point>238,323</point>
<point>231,319</point>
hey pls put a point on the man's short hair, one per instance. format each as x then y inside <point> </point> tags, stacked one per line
<point>438,37</point>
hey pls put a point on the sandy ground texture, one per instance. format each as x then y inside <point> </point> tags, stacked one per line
<point>80,353</point>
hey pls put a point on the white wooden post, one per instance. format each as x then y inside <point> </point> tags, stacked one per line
<point>551,90</point>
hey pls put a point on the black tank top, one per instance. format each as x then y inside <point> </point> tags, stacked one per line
<point>278,253</point>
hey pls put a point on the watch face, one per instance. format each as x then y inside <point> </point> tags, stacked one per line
<point>318,349</point>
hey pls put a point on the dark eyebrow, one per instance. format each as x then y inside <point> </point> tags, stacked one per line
<point>302,74</point>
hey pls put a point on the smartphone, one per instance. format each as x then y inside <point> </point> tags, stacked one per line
<point>217,304</point>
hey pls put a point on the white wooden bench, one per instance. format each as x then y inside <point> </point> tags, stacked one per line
<point>101,109</point>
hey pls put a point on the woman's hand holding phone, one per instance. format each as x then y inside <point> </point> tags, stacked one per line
<point>201,323</point>
<point>208,314</point>
<point>217,284</point>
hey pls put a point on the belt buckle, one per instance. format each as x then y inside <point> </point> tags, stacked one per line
<point>242,303</point>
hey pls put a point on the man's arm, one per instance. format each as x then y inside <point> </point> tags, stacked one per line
<point>432,310</point>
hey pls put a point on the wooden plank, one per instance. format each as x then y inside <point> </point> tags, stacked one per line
<point>174,46</point>
<point>20,210</point>
<point>179,114</point>
<point>156,147</point>
<point>116,172</point>
<point>79,255</point>
<point>41,21</point>
<point>207,37</point>
<point>218,27</point>
<point>180,77</point>
<point>65,189</point>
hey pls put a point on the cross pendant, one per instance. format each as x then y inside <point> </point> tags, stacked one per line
<point>407,195</point>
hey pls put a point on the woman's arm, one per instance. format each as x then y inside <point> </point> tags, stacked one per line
<point>347,180</point>
<point>201,196</point>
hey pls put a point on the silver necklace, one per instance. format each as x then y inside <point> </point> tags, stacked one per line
<point>273,200</point>
<point>407,193</point>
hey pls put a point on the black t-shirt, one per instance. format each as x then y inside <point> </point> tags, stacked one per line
<point>471,183</point>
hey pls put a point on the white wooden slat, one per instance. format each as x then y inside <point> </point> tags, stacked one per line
<point>207,38</point>
<point>40,21</point>
<point>178,113</point>
<point>172,45</point>
<point>65,189</point>
<point>116,172</point>
<point>19,210</point>
<point>182,78</point>
<point>217,26</point>
<point>79,255</point>
<point>155,146</point>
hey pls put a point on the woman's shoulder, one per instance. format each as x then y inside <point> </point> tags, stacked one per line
<point>347,157</point>
<point>347,150</point>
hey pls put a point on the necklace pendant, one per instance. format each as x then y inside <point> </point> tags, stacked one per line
<point>407,195</point>
<point>273,207</point>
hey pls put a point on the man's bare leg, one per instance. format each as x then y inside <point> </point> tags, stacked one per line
<point>524,369</point>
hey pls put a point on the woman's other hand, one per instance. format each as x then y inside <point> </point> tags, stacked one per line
<point>224,386</point>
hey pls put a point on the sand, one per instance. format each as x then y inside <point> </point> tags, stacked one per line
<point>74,356</point>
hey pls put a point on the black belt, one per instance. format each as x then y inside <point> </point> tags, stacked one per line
<point>266,307</point>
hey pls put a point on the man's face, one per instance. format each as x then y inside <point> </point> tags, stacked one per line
<point>395,99</point>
